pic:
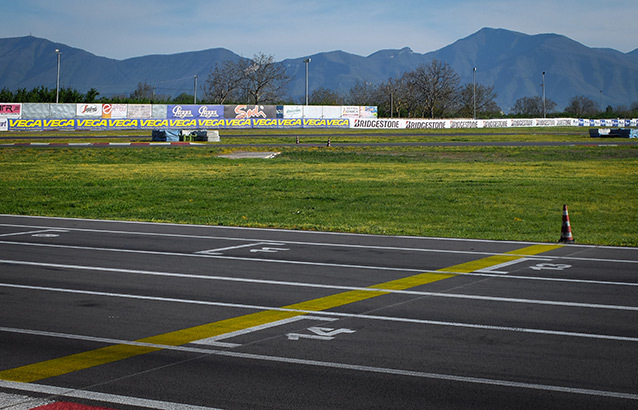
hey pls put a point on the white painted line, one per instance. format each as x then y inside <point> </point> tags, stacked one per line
<point>407,292</point>
<point>322,313</point>
<point>97,396</point>
<point>304,263</point>
<point>333,365</point>
<point>21,402</point>
<point>212,341</point>
<point>199,255</point>
<point>230,248</point>
<point>290,283</point>
<point>492,269</point>
<point>243,228</point>
<point>353,246</point>
<point>41,231</point>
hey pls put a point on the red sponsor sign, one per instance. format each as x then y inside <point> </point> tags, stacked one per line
<point>10,110</point>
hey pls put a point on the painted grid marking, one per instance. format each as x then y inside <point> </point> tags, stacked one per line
<point>68,364</point>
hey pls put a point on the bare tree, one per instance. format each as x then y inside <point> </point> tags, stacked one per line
<point>223,82</point>
<point>144,93</point>
<point>362,93</point>
<point>435,86</point>
<point>264,79</point>
<point>581,106</point>
<point>532,106</point>
<point>484,100</point>
<point>323,96</point>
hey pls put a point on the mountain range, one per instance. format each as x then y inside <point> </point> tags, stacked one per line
<point>510,61</point>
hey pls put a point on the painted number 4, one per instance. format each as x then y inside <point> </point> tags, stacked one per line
<point>551,266</point>
<point>319,333</point>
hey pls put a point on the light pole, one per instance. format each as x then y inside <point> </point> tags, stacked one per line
<point>195,91</point>
<point>474,91</point>
<point>306,61</point>
<point>543,85</point>
<point>57,82</point>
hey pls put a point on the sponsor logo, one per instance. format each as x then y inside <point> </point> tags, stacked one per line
<point>179,112</point>
<point>238,123</point>
<point>121,123</point>
<point>522,123</point>
<point>92,123</point>
<point>19,123</point>
<point>204,112</point>
<point>359,123</point>
<point>265,122</point>
<point>10,109</point>
<point>289,122</point>
<point>182,123</point>
<point>88,109</point>
<point>217,123</point>
<point>437,125</point>
<point>64,123</point>
<point>495,124</point>
<point>464,124</point>
<point>154,123</point>
<point>242,111</point>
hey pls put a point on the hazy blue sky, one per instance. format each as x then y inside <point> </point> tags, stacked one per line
<point>297,28</point>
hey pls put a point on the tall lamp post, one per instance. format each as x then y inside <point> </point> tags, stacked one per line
<point>543,85</point>
<point>306,61</point>
<point>195,90</point>
<point>474,91</point>
<point>57,82</point>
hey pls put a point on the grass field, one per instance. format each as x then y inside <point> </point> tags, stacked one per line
<point>509,193</point>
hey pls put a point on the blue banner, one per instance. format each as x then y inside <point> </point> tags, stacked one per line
<point>189,112</point>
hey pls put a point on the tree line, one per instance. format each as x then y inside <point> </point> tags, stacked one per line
<point>431,90</point>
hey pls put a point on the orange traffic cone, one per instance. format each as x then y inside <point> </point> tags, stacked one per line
<point>566,232</point>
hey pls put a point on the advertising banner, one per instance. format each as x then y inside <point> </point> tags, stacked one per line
<point>10,110</point>
<point>140,110</point>
<point>368,112</point>
<point>293,111</point>
<point>313,111</point>
<point>331,111</point>
<point>19,124</point>
<point>350,111</point>
<point>250,111</point>
<point>194,111</point>
<point>276,123</point>
<point>4,124</point>
<point>114,110</point>
<point>59,124</point>
<point>88,110</point>
<point>326,123</point>
<point>385,124</point>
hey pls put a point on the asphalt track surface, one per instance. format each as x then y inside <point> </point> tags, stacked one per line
<point>141,315</point>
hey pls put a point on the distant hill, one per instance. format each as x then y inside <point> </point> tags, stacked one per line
<point>510,61</point>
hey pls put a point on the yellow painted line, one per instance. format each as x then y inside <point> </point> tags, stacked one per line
<point>109,354</point>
